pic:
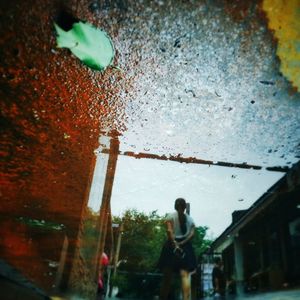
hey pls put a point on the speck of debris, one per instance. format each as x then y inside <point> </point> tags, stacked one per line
<point>177,43</point>
<point>190,91</point>
<point>266,82</point>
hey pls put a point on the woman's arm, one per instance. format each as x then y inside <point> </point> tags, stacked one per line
<point>170,232</point>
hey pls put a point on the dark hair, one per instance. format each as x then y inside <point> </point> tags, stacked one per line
<point>181,204</point>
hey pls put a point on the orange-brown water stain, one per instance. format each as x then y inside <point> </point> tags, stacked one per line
<point>21,245</point>
<point>50,135</point>
<point>249,15</point>
<point>281,30</point>
<point>239,10</point>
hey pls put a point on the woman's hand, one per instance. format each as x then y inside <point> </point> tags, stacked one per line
<point>176,244</point>
<point>181,243</point>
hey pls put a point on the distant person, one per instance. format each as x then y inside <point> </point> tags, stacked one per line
<point>104,262</point>
<point>218,278</point>
<point>178,254</point>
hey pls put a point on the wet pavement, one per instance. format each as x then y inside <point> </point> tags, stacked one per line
<point>198,80</point>
<point>293,294</point>
<point>280,295</point>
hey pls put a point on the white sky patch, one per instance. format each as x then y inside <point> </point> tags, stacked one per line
<point>213,192</point>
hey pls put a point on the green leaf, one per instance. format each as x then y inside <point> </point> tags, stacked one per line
<point>91,45</point>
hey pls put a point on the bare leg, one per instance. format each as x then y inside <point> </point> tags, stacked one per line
<point>166,284</point>
<point>186,284</point>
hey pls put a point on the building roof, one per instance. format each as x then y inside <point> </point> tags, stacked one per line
<point>286,183</point>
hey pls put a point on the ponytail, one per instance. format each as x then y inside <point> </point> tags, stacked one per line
<point>182,222</point>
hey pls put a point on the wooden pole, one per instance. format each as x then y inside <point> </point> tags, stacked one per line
<point>105,205</point>
<point>188,208</point>
<point>194,276</point>
<point>116,259</point>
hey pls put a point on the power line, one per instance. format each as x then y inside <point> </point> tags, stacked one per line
<point>194,160</point>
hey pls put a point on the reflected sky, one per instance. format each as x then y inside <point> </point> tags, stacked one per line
<point>213,192</point>
<point>207,85</point>
<point>203,79</point>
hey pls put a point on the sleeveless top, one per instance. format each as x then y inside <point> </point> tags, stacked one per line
<point>176,225</point>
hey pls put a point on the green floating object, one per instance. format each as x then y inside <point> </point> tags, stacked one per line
<point>91,45</point>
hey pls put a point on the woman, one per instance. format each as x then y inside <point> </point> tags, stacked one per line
<point>178,254</point>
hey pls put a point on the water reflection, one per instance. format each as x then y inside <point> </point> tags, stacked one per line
<point>35,248</point>
<point>198,79</point>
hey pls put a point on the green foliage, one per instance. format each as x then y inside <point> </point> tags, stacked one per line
<point>91,45</point>
<point>142,240</point>
<point>200,243</point>
<point>120,280</point>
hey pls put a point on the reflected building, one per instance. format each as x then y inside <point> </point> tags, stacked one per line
<point>62,255</point>
<point>261,247</point>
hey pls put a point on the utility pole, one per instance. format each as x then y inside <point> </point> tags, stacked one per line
<point>194,277</point>
<point>105,209</point>
<point>188,208</point>
<point>116,258</point>
<point>117,253</point>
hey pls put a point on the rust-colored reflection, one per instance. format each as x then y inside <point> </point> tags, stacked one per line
<point>37,251</point>
<point>52,108</point>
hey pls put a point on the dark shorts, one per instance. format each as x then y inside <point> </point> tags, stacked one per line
<point>169,259</point>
